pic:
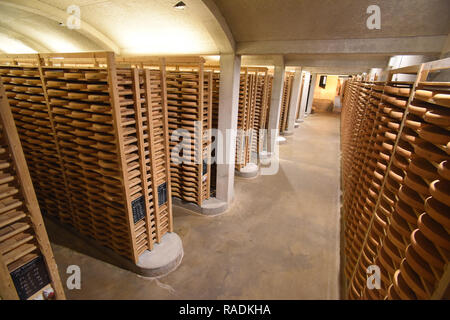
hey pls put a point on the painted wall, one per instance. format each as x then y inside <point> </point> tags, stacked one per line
<point>324,98</point>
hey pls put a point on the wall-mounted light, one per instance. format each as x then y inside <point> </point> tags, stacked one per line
<point>180,5</point>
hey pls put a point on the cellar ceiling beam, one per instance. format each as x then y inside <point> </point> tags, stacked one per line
<point>402,45</point>
<point>379,62</point>
<point>50,12</point>
<point>32,43</point>
<point>217,27</point>
<point>321,61</point>
<point>446,48</point>
<point>336,70</point>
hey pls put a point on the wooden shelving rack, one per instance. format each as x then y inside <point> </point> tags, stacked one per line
<point>96,138</point>
<point>285,100</point>
<point>395,146</point>
<point>190,94</point>
<point>263,81</point>
<point>27,266</point>
<point>252,114</point>
<point>192,112</point>
<point>214,125</point>
<point>246,85</point>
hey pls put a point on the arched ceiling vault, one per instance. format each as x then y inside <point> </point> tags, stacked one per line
<point>33,44</point>
<point>60,16</point>
<point>125,27</point>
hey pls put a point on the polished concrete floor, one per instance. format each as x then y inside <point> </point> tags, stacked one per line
<point>279,240</point>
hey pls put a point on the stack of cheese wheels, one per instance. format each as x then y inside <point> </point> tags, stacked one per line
<point>425,195</point>
<point>189,95</point>
<point>26,96</point>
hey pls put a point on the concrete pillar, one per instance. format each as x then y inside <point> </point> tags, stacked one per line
<point>304,100</point>
<point>275,102</point>
<point>405,61</point>
<point>446,50</point>
<point>311,93</point>
<point>293,104</point>
<point>230,68</point>
<point>375,73</point>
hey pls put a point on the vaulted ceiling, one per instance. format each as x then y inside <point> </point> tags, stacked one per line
<point>312,32</point>
<point>128,27</point>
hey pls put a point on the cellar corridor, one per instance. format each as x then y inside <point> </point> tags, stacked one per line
<point>268,244</point>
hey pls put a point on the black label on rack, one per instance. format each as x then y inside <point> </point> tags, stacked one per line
<point>162,194</point>
<point>205,167</point>
<point>30,278</point>
<point>138,208</point>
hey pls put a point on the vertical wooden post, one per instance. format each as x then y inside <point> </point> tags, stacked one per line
<point>166,138</point>
<point>442,285</point>
<point>141,151</point>
<point>247,89</point>
<point>151,141</point>
<point>210,94</point>
<point>116,115</point>
<point>199,134</point>
<point>7,289</point>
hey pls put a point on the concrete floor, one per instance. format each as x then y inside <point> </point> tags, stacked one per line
<point>280,239</point>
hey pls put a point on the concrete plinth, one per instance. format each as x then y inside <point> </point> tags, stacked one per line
<point>210,207</point>
<point>164,258</point>
<point>294,100</point>
<point>288,133</point>
<point>251,170</point>
<point>281,140</point>
<point>264,158</point>
<point>296,125</point>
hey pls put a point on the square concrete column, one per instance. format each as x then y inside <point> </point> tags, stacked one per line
<point>311,93</point>
<point>230,68</point>
<point>304,99</point>
<point>293,104</point>
<point>446,50</point>
<point>275,103</point>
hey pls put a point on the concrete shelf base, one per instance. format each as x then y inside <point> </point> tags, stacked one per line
<point>281,140</point>
<point>264,158</point>
<point>165,257</point>
<point>288,133</point>
<point>211,207</point>
<point>251,170</point>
